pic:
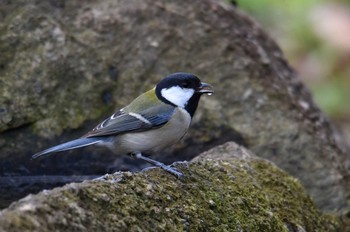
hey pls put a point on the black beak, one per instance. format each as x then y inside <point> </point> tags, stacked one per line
<point>204,88</point>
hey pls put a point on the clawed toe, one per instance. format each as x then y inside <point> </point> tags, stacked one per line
<point>180,163</point>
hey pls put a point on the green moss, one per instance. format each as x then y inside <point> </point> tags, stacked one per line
<point>213,195</point>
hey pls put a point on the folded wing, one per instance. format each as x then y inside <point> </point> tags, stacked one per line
<point>125,121</point>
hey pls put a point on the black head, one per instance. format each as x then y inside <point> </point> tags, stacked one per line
<point>182,90</point>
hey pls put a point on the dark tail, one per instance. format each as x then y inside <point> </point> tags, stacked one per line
<point>68,146</point>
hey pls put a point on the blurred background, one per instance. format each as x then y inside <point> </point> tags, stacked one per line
<point>315,38</point>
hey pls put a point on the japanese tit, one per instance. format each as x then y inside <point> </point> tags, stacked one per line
<point>152,122</point>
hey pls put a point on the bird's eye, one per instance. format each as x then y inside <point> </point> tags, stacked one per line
<point>184,84</point>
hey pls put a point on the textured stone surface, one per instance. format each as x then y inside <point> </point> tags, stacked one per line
<point>239,192</point>
<point>65,65</point>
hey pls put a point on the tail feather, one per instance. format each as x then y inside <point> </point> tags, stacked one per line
<point>82,142</point>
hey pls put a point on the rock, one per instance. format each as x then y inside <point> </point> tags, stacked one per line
<point>66,65</point>
<point>238,193</point>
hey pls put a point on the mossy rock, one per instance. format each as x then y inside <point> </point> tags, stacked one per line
<point>225,189</point>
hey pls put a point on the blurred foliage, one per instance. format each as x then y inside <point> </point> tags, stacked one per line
<point>332,95</point>
<point>323,66</point>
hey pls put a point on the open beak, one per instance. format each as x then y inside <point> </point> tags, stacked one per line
<point>204,88</point>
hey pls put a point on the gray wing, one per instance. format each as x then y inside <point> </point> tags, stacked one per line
<point>122,122</point>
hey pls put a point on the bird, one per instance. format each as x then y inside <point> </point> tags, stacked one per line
<point>152,122</point>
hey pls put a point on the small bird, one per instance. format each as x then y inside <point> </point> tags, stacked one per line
<point>150,123</point>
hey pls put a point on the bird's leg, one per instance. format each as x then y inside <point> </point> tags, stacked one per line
<point>169,169</point>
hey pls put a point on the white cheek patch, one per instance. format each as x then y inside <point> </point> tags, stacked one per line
<point>177,95</point>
